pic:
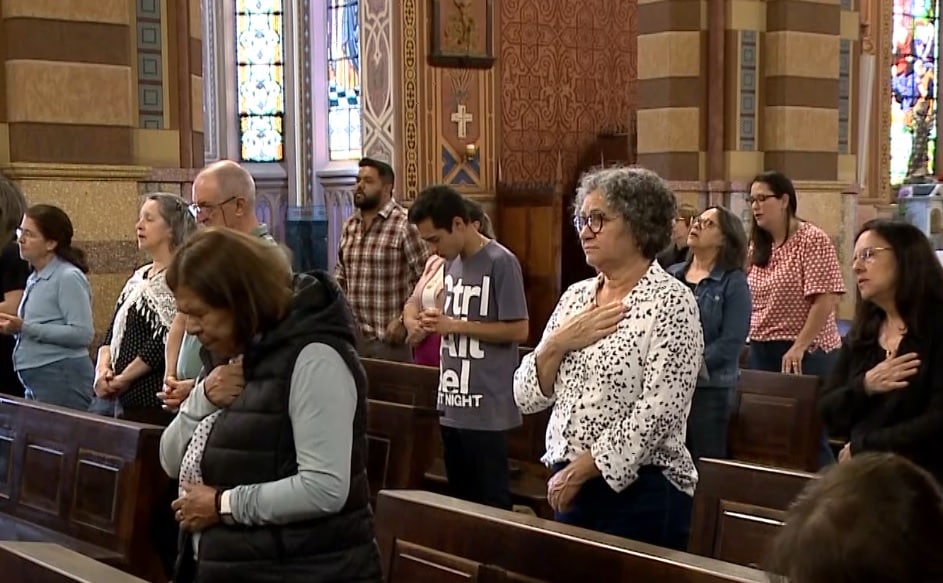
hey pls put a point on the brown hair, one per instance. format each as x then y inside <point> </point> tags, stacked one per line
<point>55,225</point>
<point>875,518</point>
<point>236,272</point>
<point>688,212</point>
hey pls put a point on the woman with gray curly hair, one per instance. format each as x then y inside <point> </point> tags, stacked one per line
<point>618,362</point>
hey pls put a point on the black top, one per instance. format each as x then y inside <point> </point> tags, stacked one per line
<point>145,336</point>
<point>13,274</point>
<point>672,255</point>
<point>908,421</point>
<point>252,442</point>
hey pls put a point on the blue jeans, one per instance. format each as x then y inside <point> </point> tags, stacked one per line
<point>709,421</point>
<point>650,510</point>
<point>768,356</point>
<point>67,383</point>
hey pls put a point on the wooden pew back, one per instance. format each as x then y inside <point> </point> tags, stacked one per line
<point>739,507</point>
<point>398,382</point>
<point>775,421</point>
<point>87,482</point>
<point>425,537</point>
<point>400,444</point>
<point>51,563</point>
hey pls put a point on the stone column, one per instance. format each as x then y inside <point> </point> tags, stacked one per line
<point>672,93</point>
<point>806,129</point>
<point>85,89</point>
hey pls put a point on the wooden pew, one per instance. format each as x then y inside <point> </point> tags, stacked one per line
<point>775,421</point>
<point>86,482</point>
<point>398,382</point>
<point>400,442</point>
<point>51,563</point>
<point>426,537</point>
<point>416,385</point>
<point>738,507</point>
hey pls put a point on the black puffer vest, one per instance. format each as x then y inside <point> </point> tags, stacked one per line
<point>252,442</point>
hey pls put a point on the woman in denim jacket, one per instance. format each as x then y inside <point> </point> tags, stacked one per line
<point>714,271</point>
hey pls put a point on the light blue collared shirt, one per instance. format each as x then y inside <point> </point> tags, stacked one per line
<point>57,316</point>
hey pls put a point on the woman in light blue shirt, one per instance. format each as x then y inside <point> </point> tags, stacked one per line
<point>53,326</point>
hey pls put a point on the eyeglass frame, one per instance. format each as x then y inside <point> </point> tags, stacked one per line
<point>761,197</point>
<point>586,221</point>
<point>702,223</point>
<point>866,256</point>
<point>197,209</point>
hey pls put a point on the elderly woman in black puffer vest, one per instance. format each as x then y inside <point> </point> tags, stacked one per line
<point>270,447</point>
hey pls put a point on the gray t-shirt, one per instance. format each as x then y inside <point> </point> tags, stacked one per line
<point>476,382</point>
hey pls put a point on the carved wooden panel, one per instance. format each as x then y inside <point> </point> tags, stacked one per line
<point>738,508</point>
<point>529,220</point>
<point>6,464</point>
<point>87,482</point>
<point>775,421</point>
<point>401,439</point>
<point>428,537</point>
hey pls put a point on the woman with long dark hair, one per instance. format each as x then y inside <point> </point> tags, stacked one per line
<point>886,392</point>
<point>795,283</point>
<point>53,324</point>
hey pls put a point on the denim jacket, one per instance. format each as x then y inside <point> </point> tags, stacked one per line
<point>723,298</point>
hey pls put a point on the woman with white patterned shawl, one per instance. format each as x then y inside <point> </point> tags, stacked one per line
<point>130,368</point>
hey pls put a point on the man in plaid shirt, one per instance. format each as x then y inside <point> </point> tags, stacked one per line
<point>380,260</point>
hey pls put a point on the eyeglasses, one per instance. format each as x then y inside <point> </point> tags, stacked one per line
<point>866,255</point>
<point>21,233</point>
<point>761,197</point>
<point>199,209</point>
<point>595,221</point>
<point>702,223</point>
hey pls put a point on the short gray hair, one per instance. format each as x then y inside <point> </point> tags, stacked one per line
<point>642,197</point>
<point>176,213</point>
<point>232,180</point>
<point>12,208</point>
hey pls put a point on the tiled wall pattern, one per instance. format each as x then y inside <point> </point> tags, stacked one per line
<point>150,66</point>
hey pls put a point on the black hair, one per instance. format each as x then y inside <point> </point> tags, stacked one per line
<point>383,169</point>
<point>441,204</point>
<point>762,240</point>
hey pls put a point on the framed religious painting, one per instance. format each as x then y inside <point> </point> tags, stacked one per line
<point>462,34</point>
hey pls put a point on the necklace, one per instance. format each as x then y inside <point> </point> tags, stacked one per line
<point>890,343</point>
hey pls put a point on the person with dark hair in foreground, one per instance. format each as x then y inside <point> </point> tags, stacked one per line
<point>379,260</point>
<point>876,519</point>
<point>483,318</point>
<point>13,275</point>
<point>886,392</point>
<point>270,447</point>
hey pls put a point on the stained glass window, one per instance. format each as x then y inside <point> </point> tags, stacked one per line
<point>913,88</point>
<point>343,73</point>
<point>260,80</point>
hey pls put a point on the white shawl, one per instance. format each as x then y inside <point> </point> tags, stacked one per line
<point>152,298</point>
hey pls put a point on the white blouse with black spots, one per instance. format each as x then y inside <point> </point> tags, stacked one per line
<point>626,397</point>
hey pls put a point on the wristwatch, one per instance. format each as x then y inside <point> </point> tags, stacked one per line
<point>223,507</point>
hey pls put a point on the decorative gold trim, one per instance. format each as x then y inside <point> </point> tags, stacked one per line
<point>883,79</point>
<point>410,100</point>
<point>96,172</point>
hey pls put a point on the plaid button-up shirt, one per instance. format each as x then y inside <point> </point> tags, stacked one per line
<point>378,268</point>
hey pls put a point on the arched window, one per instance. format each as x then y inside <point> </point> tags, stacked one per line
<point>260,80</point>
<point>343,76</point>
<point>914,48</point>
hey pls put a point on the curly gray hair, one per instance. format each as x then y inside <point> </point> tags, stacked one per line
<point>643,199</point>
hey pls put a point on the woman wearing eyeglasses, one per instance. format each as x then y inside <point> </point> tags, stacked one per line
<point>618,362</point>
<point>886,392</point>
<point>53,325</point>
<point>796,282</point>
<point>130,366</point>
<point>714,272</point>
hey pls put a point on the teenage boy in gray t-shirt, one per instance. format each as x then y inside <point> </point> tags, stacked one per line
<point>484,318</point>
